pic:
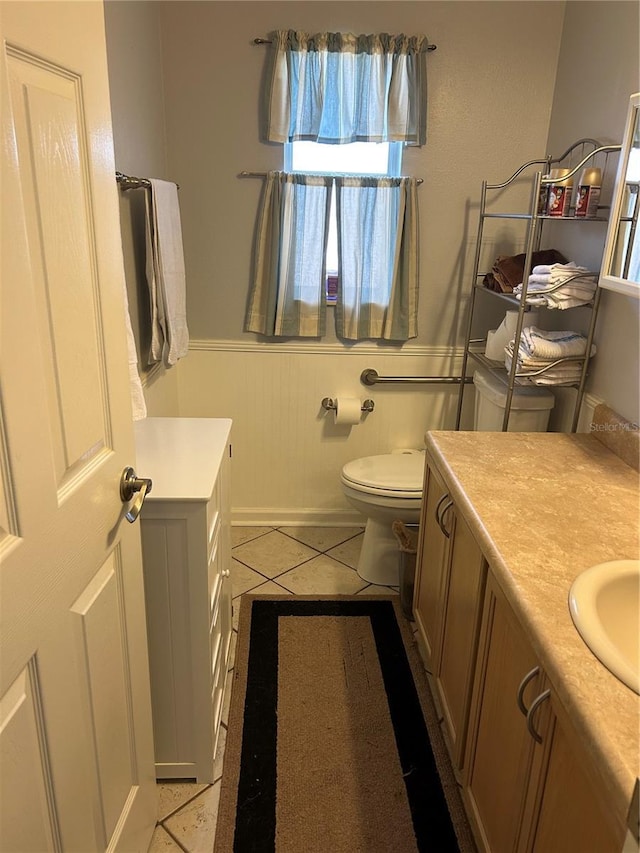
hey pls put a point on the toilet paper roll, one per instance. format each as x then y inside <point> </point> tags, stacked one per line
<point>348,410</point>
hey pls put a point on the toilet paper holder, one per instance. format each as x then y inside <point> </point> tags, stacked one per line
<point>329,404</point>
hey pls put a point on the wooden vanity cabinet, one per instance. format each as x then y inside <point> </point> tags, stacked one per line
<point>431,566</point>
<point>451,575</point>
<point>526,787</point>
<point>566,808</point>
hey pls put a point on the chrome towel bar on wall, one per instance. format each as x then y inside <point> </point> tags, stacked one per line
<point>371,377</point>
<point>128,182</point>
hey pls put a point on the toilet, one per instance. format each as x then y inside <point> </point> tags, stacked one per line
<point>384,488</point>
<point>389,487</point>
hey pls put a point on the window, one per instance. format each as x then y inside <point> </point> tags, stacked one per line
<point>355,158</point>
<point>342,105</point>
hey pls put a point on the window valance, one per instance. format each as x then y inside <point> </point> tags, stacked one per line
<point>339,88</point>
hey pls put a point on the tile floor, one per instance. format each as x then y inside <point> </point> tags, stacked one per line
<point>289,560</point>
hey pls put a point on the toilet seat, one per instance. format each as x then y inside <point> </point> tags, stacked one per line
<point>398,475</point>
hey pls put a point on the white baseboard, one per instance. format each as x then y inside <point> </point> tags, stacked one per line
<point>281,517</point>
<point>589,403</point>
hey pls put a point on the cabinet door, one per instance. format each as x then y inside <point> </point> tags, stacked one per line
<point>500,749</point>
<point>454,673</point>
<point>429,592</point>
<point>571,812</point>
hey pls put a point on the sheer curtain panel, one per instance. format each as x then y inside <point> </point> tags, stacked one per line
<point>377,258</point>
<point>287,298</point>
<point>339,88</point>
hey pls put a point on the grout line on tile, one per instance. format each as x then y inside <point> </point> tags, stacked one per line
<point>247,566</point>
<point>172,836</point>
<point>182,805</point>
<point>253,538</point>
<point>299,541</point>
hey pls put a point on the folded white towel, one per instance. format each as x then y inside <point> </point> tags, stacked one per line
<point>552,345</point>
<point>166,274</point>
<point>562,272</point>
<point>567,373</point>
<point>576,291</point>
<point>542,269</point>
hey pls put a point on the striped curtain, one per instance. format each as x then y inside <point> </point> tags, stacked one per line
<point>377,258</point>
<point>288,293</point>
<point>338,88</point>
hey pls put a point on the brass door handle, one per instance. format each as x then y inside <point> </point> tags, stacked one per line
<point>132,486</point>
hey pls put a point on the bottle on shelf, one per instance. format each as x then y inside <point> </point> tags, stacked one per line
<point>559,193</point>
<point>588,193</point>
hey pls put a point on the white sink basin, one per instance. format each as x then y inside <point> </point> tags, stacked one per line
<point>605,607</point>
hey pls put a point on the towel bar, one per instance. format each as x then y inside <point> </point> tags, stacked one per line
<point>130,183</point>
<point>371,377</point>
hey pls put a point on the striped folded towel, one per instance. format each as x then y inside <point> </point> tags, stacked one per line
<point>549,346</point>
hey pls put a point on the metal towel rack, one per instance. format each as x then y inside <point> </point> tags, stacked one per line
<point>127,182</point>
<point>371,377</point>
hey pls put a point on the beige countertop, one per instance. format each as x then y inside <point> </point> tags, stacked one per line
<point>543,507</point>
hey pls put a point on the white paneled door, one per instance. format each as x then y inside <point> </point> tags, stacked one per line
<point>76,752</point>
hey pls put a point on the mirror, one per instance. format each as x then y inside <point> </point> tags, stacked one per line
<point>621,259</point>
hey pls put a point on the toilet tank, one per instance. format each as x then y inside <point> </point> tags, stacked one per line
<point>530,405</point>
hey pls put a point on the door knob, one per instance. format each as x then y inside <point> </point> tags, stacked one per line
<point>130,486</point>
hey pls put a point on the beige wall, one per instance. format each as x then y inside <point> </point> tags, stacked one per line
<point>599,68</point>
<point>137,106</point>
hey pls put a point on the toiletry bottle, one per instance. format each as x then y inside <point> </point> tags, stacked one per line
<point>588,193</point>
<point>543,197</point>
<point>559,193</point>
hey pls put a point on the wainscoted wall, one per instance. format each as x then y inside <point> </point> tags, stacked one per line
<point>287,451</point>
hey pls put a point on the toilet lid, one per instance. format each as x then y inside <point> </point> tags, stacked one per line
<point>401,473</point>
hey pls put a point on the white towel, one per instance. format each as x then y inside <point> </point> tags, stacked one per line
<point>562,272</point>
<point>165,274</point>
<point>540,350</point>
<point>567,373</point>
<point>539,279</point>
<point>542,269</point>
<point>138,404</point>
<point>565,286</point>
<point>550,346</point>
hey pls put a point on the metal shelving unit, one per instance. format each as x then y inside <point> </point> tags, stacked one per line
<point>474,348</point>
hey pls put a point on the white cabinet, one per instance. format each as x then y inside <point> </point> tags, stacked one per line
<point>187,558</point>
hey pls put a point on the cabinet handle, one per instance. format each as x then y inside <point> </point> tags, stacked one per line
<point>445,509</point>
<point>522,688</point>
<point>438,505</point>
<point>226,573</point>
<point>534,707</point>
